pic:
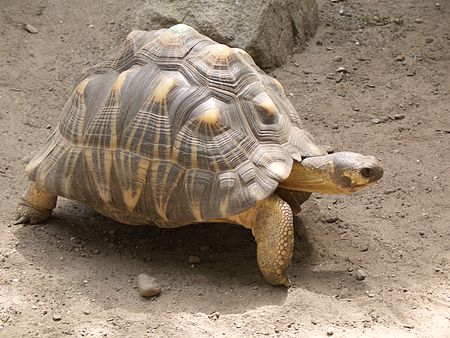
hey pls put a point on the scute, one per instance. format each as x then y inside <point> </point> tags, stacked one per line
<point>175,129</point>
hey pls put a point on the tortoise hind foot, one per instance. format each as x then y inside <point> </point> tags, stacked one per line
<point>26,214</point>
<point>35,206</point>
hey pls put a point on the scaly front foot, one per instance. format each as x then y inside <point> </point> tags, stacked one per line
<point>271,221</point>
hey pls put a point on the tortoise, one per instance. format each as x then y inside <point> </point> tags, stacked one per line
<point>179,129</point>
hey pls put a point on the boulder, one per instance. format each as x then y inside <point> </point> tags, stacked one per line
<point>269,30</point>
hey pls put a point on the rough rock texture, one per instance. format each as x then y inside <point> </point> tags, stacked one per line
<point>269,30</point>
<point>148,286</point>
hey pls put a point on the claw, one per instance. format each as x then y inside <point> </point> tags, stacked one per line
<point>22,220</point>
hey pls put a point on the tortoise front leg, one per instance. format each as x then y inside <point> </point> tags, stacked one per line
<point>271,222</point>
<point>35,206</point>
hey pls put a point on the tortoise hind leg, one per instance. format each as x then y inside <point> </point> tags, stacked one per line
<point>35,206</point>
<point>271,222</point>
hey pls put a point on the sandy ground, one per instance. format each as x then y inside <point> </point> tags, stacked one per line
<point>76,273</point>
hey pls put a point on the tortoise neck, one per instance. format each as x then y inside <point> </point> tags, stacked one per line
<point>313,174</point>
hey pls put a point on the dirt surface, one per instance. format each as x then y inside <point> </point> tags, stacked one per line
<point>76,273</point>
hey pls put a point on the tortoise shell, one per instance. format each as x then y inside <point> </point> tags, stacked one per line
<point>176,129</point>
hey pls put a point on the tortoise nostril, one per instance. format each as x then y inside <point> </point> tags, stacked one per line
<point>367,172</point>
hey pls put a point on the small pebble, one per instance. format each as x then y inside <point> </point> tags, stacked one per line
<point>205,248</point>
<point>400,58</point>
<point>360,274</point>
<point>296,64</point>
<point>429,40</point>
<point>337,58</point>
<point>214,316</point>
<point>331,219</point>
<point>330,331</point>
<point>30,29</point>
<point>56,317</point>
<point>339,77</point>
<point>194,259</point>
<point>329,149</point>
<point>376,121</point>
<point>319,43</point>
<point>306,71</point>
<point>87,312</point>
<point>342,70</point>
<point>356,108</point>
<point>148,286</point>
<point>399,116</point>
<point>418,21</point>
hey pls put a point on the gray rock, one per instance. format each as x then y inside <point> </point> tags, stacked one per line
<point>360,274</point>
<point>376,121</point>
<point>148,286</point>
<point>194,259</point>
<point>214,316</point>
<point>329,149</point>
<point>268,30</point>
<point>30,29</point>
<point>331,219</point>
<point>342,70</point>
<point>330,331</point>
<point>56,317</point>
<point>337,58</point>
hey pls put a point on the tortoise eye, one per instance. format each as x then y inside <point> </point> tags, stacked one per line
<point>367,172</point>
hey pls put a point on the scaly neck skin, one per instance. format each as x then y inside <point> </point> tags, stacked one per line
<point>312,176</point>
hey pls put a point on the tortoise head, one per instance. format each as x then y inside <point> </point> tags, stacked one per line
<point>338,173</point>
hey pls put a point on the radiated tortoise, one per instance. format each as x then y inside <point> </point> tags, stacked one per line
<point>178,129</point>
